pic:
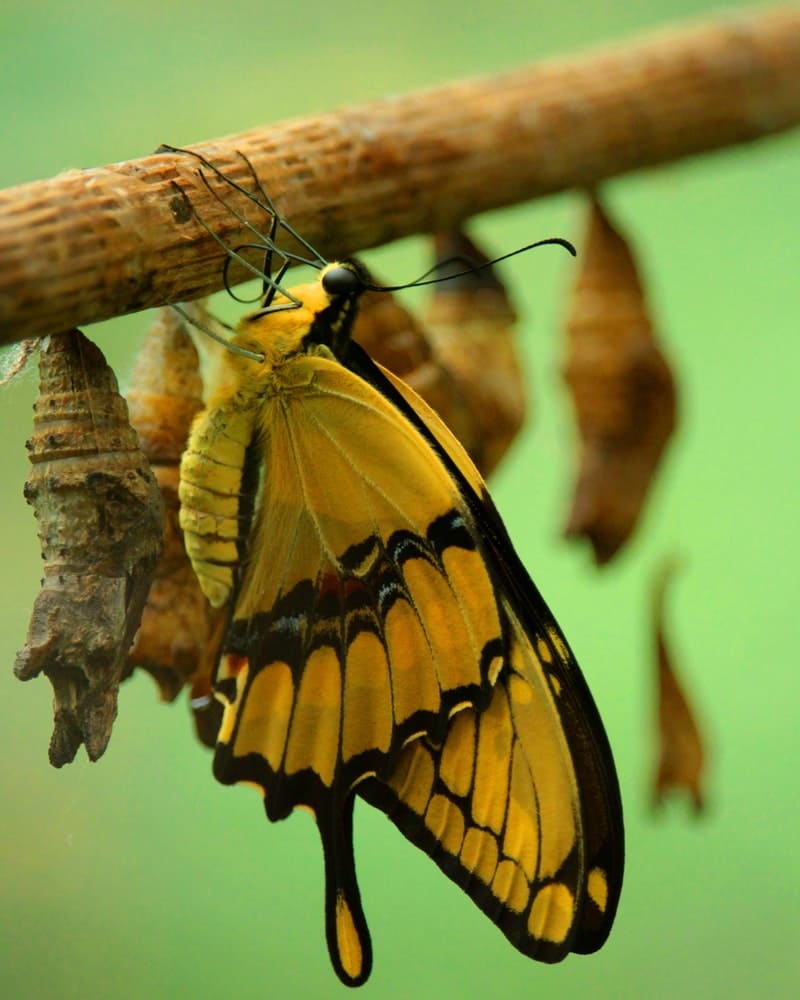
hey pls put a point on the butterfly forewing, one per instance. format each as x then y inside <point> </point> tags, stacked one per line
<point>352,608</point>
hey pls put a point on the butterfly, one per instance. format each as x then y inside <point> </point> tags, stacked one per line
<point>384,638</point>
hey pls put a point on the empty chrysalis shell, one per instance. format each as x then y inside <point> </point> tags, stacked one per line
<point>99,512</point>
<point>175,642</point>
<point>681,756</point>
<point>622,390</point>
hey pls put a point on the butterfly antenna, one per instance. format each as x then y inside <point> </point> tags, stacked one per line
<point>266,242</point>
<point>472,265</point>
<point>269,285</point>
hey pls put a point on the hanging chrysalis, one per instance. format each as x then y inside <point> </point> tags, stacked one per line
<point>99,514</point>
<point>681,757</point>
<point>622,389</point>
<point>175,642</point>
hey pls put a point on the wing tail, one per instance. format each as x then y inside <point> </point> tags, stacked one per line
<point>346,928</point>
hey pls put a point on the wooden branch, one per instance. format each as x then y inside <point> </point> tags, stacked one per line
<point>91,244</point>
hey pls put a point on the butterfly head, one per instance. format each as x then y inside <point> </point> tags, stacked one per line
<point>319,313</point>
<point>341,285</point>
<point>345,279</point>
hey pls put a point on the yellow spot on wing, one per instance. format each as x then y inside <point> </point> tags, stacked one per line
<point>469,580</point>
<point>231,710</point>
<point>522,833</point>
<point>559,645</point>
<point>552,913</point>
<point>368,721</point>
<point>265,718</point>
<point>491,767</point>
<point>510,886</point>
<point>446,823</point>
<point>412,689</point>
<point>458,658</point>
<point>552,771</point>
<point>495,666</point>
<point>348,942</point>
<point>314,732</point>
<point>412,779</point>
<point>479,854</point>
<point>597,887</point>
<point>458,754</point>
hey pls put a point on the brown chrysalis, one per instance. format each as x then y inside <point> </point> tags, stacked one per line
<point>176,641</point>
<point>681,756</point>
<point>622,389</point>
<point>99,513</point>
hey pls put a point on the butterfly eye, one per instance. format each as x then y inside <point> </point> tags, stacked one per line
<point>341,280</point>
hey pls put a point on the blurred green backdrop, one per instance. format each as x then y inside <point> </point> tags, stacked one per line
<point>139,876</point>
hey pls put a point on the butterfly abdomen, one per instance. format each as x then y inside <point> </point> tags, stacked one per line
<point>212,494</point>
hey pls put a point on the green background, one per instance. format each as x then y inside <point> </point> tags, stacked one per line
<point>139,876</point>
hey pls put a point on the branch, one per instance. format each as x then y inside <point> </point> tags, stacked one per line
<point>91,244</point>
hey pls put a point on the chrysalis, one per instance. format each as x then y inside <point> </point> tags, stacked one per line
<point>622,390</point>
<point>177,640</point>
<point>99,512</point>
<point>681,756</point>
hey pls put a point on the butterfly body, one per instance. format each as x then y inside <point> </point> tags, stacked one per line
<point>385,640</point>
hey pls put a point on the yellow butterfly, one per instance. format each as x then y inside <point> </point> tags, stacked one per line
<point>384,638</point>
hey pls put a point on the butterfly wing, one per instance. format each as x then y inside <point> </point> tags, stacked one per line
<point>364,615</point>
<point>519,804</point>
